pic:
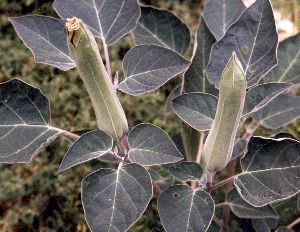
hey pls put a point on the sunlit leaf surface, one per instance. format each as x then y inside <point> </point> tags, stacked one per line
<point>181,208</point>
<point>270,171</point>
<point>91,145</point>
<point>147,67</point>
<point>150,145</point>
<point>24,122</point>
<point>162,27</point>
<point>254,39</point>
<point>109,19</point>
<point>46,38</point>
<point>113,200</point>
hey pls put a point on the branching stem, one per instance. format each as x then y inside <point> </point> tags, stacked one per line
<point>156,189</point>
<point>292,224</point>
<point>221,204</point>
<point>250,130</point>
<point>218,221</point>
<point>70,135</point>
<point>223,182</point>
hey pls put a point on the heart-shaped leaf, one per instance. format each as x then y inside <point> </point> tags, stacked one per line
<point>221,14</point>
<point>264,225</point>
<point>284,229</point>
<point>181,208</point>
<point>214,227</point>
<point>162,27</point>
<point>89,146</point>
<point>288,68</point>
<point>279,112</point>
<point>254,39</point>
<point>174,93</point>
<point>150,145</point>
<point>195,79</point>
<point>24,122</point>
<point>110,19</point>
<point>298,203</point>
<point>46,38</point>
<point>270,171</point>
<point>113,200</point>
<point>239,148</point>
<point>147,67</point>
<point>186,171</point>
<point>242,209</point>
<point>196,109</point>
<point>259,95</point>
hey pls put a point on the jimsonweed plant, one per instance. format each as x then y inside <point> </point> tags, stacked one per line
<point>237,80</point>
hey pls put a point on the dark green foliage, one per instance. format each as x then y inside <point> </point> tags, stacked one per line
<point>35,197</point>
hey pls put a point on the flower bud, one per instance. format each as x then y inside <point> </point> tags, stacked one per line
<point>108,109</point>
<point>220,140</point>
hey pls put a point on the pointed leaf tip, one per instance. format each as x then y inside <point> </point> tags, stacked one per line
<point>270,171</point>
<point>24,122</point>
<point>147,67</point>
<point>255,48</point>
<point>180,208</point>
<point>46,38</point>
<point>162,27</point>
<point>89,146</point>
<point>113,200</point>
<point>149,145</point>
<point>108,19</point>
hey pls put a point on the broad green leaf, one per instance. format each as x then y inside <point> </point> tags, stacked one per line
<point>254,39</point>
<point>239,148</point>
<point>221,14</point>
<point>279,112</point>
<point>89,146</point>
<point>147,67</point>
<point>46,38</point>
<point>109,158</point>
<point>288,68</point>
<point>219,143</point>
<point>258,96</point>
<point>181,209</point>
<point>190,138</point>
<point>186,171</point>
<point>195,79</point>
<point>283,229</point>
<point>214,227</point>
<point>109,19</point>
<point>196,109</point>
<point>113,200</point>
<point>174,93</point>
<point>298,203</point>
<point>260,225</point>
<point>24,122</point>
<point>150,145</point>
<point>162,27</point>
<point>282,135</point>
<point>242,209</point>
<point>264,225</point>
<point>270,171</point>
<point>177,139</point>
<point>165,183</point>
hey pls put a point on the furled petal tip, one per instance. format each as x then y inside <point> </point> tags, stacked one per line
<point>73,24</point>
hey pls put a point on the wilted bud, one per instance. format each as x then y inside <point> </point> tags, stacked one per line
<point>220,140</point>
<point>83,47</point>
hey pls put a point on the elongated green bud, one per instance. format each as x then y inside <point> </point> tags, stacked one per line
<point>220,140</point>
<point>83,47</point>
